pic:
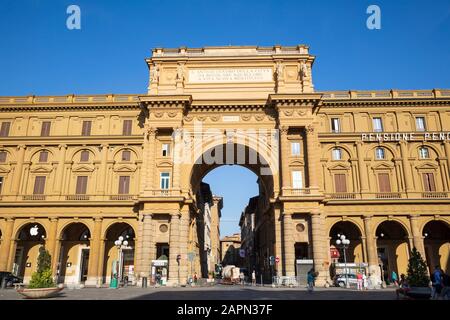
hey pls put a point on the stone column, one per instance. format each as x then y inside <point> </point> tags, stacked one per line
<point>150,159</point>
<point>95,241</point>
<point>146,244</point>
<point>372,254</point>
<point>319,246</point>
<point>289,248</point>
<point>417,238</point>
<point>103,167</point>
<point>18,170</point>
<point>284,155</point>
<point>278,242</point>
<point>447,153</point>
<point>311,142</point>
<point>176,161</point>
<point>60,169</point>
<point>409,187</point>
<point>51,242</point>
<point>363,178</point>
<point>174,248</point>
<point>101,261</point>
<point>6,245</point>
<point>184,235</point>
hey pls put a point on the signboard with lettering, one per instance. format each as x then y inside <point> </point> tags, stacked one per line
<point>230,75</point>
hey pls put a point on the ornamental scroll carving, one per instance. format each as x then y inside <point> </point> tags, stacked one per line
<point>309,129</point>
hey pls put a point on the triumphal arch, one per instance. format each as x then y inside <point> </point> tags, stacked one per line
<point>79,172</point>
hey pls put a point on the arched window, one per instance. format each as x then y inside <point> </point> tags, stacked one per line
<point>379,153</point>
<point>424,153</point>
<point>3,156</point>
<point>84,156</point>
<point>337,154</point>
<point>43,156</point>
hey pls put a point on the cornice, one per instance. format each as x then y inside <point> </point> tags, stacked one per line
<point>78,107</point>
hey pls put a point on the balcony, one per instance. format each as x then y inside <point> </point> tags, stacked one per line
<point>296,191</point>
<point>77,197</point>
<point>342,195</point>
<point>434,195</point>
<point>388,195</point>
<point>34,197</point>
<point>68,197</point>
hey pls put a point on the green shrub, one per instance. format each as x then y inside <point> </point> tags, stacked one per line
<point>42,278</point>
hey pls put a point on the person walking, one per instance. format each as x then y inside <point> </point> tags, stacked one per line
<point>394,278</point>
<point>404,286</point>
<point>437,282</point>
<point>253,278</point>
<point>365,282</point>
<point>310,278</point>
<point>359,281</point>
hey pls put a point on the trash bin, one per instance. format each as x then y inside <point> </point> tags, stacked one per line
<point>144,282</point>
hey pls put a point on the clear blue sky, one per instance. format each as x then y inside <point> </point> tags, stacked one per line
<point>39,55</point>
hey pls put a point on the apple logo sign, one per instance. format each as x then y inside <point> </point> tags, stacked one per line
<point>34,230</point>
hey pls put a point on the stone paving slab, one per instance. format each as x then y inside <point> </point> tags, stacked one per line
<point>213,293</point>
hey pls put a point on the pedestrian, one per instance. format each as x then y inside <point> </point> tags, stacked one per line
<point>365,282</point>
<point>445,294</point>
<point>394,278</point>
<point>310,278</point>
<point>437,282</point>
<point>195,278</point>
<point>404,286</point>
<point>359,281</point>
<point>253,278</point>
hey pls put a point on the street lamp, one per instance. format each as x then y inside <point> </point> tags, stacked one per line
<point>120,244</point>
<point>343,243</point>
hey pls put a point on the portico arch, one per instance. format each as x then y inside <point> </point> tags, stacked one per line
<point>436,235</point>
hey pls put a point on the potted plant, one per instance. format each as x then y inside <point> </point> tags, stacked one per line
<point>41,284</point>
<point>417,277</point>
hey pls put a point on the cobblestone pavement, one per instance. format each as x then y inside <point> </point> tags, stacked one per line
<point>219,292</point>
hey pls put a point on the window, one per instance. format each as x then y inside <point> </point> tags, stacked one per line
<point>81,185</point>
<point>126,155</point>
<point>124,184</point>
<point>335,125</point>
<point>165,176</point>
<point>86,130</point>
<point>384,182</point>
<point>43,156</point>
<point>1,184</point>
<point>424,153</point>
<point>126,127</point>
<point>295,148</point>
<point>428,182</point>
<point>337,154</point>
<point>45,129</point>
<point>165,149</point>
<point>379,153</point>
<point>297,181</point>
<point>340,182</point>
<point>84,156</point>
<point>39,185</point>
<point>4,130</point>
<point>3,155</point>
<point>377,125</point>
<point>420,123</point>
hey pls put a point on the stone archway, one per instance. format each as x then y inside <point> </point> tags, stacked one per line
<point>436,236</point>
<point>234,153</point>
<point>392,248</point>
<point>29,238</point>
<point>126,256</point>
<point>74,254</point>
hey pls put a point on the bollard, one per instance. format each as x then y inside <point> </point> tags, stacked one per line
<point>144,282</point>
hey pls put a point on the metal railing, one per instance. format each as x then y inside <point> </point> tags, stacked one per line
<point>287,281</point>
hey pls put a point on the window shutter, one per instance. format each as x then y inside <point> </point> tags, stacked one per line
<point>124,185</point>
<point>428,181</point>
<point>431,180</point>
<point>126,155</point>
<point>45,129</point>
<point>84,157</point>
<point>2,156</point>
<point>86,131</point>
<point>126,127</point>
<point>4,130</point>
<point>39,185</point>
<point>81,185</point>
<point>384,182</point>
<point>340,183</point>
<point>43,156</point>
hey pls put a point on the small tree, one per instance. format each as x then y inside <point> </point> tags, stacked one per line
<point>417,270</point>
<point>42,278</point>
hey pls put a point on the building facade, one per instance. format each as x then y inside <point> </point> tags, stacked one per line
<point>78,172</point>
<point>230,246</point>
